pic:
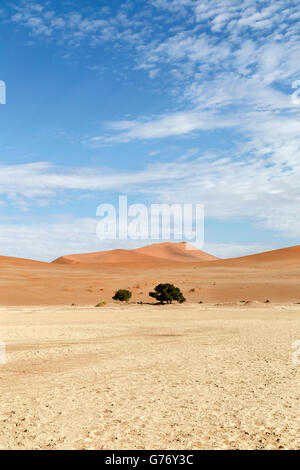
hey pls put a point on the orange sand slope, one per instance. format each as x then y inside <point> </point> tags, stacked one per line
<point>284,256</point>
<point>89,279</point>
<point>11,261</point>
<point>180,252</point>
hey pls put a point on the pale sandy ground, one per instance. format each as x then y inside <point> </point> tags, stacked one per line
<point>150,377</point>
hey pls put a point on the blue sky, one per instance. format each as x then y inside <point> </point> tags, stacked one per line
<point>177,101</point>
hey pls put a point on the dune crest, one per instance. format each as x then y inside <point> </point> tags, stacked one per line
<point>178,252</point>
<point>284,256</point>
<point>12,261</point>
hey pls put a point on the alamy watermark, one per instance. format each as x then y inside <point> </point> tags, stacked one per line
<point>154,222</point>
<point>2,92</point>
<point>296,353</point>
<point>296,94</point>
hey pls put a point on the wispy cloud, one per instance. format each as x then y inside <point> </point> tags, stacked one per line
<point>234,250</point>
<point>47,241</point>
<point>265,190</point>
<point>175,124</point>
<point>218,79</point>
<point>72,27</point>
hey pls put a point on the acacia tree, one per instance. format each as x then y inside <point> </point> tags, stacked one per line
<point>123,295</point>
<point>167,293</point>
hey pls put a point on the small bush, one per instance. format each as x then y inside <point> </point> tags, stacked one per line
<point>100,304</point>
<point>122,295</point>
<point>167,293</point>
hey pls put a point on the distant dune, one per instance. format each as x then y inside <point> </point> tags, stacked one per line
<point>11,261</point>
<point>86,279</point>
<point>179,252</point>
<point>290,255</point>
<point>106,257</point>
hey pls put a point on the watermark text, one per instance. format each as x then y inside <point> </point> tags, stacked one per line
<point>154,222</point>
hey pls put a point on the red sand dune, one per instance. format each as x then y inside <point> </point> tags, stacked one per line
<point>90,278</point>
<point>11,261</point>
<point>284,256</point>
<point>179,252</point>
<point>112,256</point>
<point>182,252</point>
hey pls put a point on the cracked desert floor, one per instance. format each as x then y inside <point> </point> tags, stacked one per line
<point>150,377</point>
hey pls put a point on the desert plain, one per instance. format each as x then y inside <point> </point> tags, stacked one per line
<point>213,375</point>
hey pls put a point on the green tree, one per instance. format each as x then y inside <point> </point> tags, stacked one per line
<point>122,295</point>
<point>167,293</point>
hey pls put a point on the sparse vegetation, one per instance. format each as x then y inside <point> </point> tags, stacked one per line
<point>100,304</point>
<point>166,293</point>
<point>122,295</point>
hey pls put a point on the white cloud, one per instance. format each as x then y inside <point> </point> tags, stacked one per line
<point>34,180</point>
<point>266,189</point>
<point>163,126</point>
<point>172,5</point>
<point>232,250</point>
<point>220,80</point>
<point>47,241</point>
<point>72,27</point>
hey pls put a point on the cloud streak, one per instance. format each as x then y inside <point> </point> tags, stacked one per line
<point>176,124</point>
<point>265,190</point>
